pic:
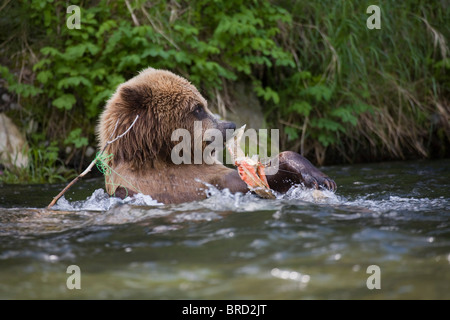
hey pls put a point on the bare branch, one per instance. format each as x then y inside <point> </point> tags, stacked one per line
<point>81,175</point>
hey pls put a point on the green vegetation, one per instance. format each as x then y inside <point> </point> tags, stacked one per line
<point>339,91</point>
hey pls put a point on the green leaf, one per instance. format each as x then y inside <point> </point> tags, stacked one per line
<point>105,26</point>
<point>93,49</point>
<point>302,108</point>
<point>43,76</point>
<point>267,93</point>
<point>73,82</point>
<point>75,52</point>
<point>113,41</point>
<point>51,51</point>
<point>345,114</point>
<point>319,92</point>
<point>115,79</point>
<point>128,61</point>
<point>25,90</point>
<point>4,72</point>
<point>101,98</point>
<point>327,124</point>
<point>41,63</point>
<point>186,29</point>
<point>76,139</point>
<point>302,75</point>
<point>182,57</point>
<point>65,101</point>
<point>292,133</point>
<point>326,139</point>
<point>153,51</point>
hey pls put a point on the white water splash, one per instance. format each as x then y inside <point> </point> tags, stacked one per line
<point>300,192</point>
<point>101,201</point>
<point>217,200</point>
<point>396,203</point>
<point>223,200</point>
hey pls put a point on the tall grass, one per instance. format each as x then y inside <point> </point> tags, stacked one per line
<point>395,80</point>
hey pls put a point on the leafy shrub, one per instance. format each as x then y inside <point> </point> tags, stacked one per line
<point>335,87</point>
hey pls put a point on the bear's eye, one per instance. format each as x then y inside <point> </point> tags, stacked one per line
<point>199,111</point>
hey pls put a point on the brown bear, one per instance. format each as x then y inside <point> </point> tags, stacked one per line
<point>141,158</point>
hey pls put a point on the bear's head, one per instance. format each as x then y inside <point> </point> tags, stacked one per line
<point>164,102</point>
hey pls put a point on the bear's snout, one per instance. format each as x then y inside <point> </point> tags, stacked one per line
<point>224,125</point>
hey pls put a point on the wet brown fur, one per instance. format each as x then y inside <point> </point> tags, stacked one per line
<point>141,158</point>
<point>162,101</point>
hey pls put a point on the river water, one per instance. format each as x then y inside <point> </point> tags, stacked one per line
<point>394,216</point>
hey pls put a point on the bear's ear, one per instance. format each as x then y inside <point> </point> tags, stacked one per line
<point>138,97</point>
